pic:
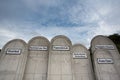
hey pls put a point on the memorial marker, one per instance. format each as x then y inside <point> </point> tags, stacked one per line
<point>104,43</point>
<point>13,60</point>
<point>37,63</point>
<point>79,55</point>
<point>109,47</point>
<point>61,48</point>
<point>105,61</point>
<point>81,63</point>
<point>38,48</point>
<point>13,51</point>
<point>59,67</point>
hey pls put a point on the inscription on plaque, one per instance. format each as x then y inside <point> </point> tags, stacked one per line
<point>38,48</point>
<point>13,51</point>
<point>79,55</point>
<point>61,48</point>
<point>104,61</point>
<point>104,47</point>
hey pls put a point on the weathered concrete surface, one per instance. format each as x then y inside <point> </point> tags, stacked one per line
<point>81,63</point>
<point>102,40</point>
<point>104,71</point>
<point>13,59</point>
<point>37,63</point>
<point>59,67</point>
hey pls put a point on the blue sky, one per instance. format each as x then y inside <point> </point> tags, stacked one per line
<point>80,20</point>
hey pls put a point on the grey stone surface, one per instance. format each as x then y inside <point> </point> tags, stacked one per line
<point>102,40</point>
<point>81,63</point>
<point>105,70</point>
<point>37,62</point>
<point>108,45</point>
<point>59,66</point>
<point>13,59</point>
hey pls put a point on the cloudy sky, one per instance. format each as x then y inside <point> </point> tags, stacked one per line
<point>79,20</point>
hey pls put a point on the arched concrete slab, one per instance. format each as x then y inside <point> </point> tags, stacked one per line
<point>37,63</point>
<point>59,67</point>
<point>13,59</point>
<point>104,66</point>
<point>102,42</point>
<point>81,63</point>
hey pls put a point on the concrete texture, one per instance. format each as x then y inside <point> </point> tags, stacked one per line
<point>102,40</point>
<point>59,66</point>
<point>104,71</point>
<point>12,62</point>
<point>37,63</point>
<point>81,65</point>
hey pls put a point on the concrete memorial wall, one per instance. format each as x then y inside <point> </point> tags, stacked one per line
<point>81,63</point>
<point>104,66</point>
<point>59,60</point>
<point>102,42</point>
<point>13,59</point>
<point>59,66</point>
<point>37,63</point>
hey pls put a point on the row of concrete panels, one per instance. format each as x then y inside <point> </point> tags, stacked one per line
<point>59,60</point>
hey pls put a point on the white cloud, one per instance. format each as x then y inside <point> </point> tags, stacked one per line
<point>5,36</point>
<point>98,17</point>
<point>106,29</point>
<point>7,33</point>
<point>74,33</point>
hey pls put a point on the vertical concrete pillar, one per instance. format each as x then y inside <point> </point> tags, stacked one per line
<point>59,67</point>
<point>104,66</point>
<point>102,42</point>
<point>81,63</point>
<point>37,63</point>
<point>13,60</point>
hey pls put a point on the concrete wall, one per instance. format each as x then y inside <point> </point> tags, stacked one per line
<point>81,63</point>
<point>59,60</point>
<point>37,63</point>
<point>105,70</point>
<point>13,59</point>
<point>108,45</point>
<point>59,67</point>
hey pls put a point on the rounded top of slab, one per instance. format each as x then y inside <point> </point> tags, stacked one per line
<point>38,38</point>
<point>14,40</point>
<point>61,37</point>
<point>79,45</point>
<point>9,44</point>
<point>100,39</point>
<point>79,48</point>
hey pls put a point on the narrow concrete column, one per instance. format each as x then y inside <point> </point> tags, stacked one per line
<point>81,63</point>
<point>59,67</point>
<point>104,66</point>
<point>13,60</point>
<point>37,63</point>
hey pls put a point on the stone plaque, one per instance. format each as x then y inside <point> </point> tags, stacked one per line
<point>79,56</point>
<point>104,47</point>
<point>104,60</point>
<point>13,51</point>
<point>38,48</point>
<point>61,48</point>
